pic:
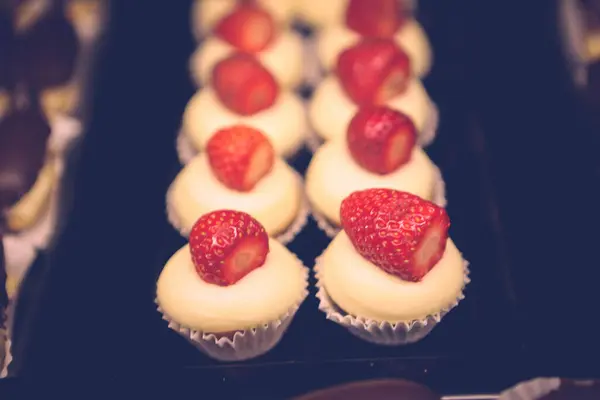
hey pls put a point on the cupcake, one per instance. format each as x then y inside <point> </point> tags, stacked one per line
<point>379,19</point>
<point>28,173</point>
<point>374,71</point>
<point>47,63</point>
<point>251,30</point>
<point>232,291</point>
<point>378,151</point>
<point>207,13</point>
<point>239,169</point>
<point>393,272</point>
<point>243,91</point>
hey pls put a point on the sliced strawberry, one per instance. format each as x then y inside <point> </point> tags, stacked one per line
<point>248,28</point>
<point>373,71</point>
<point>227,245</point>
<point>243,85</point>
<point>381,139</point>
<point>375,18</point>
<point>240,156</point>
<point>401,233</point>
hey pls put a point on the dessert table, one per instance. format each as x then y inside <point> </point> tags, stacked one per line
<point>517,147</point>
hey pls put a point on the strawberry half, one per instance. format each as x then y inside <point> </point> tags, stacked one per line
<point>227,245</point>
<point>375,18</point>
<point>240,156</point>
<point>373,71</point>
<point>243,85</point>
<point>399,232</point>
<point>248,28</point>
<point>381,139</point>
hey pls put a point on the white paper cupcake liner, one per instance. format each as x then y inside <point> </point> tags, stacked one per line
<point>531,390</point>
<point>438,198</point>
<point>6,342</point>
<point>245,344</point>
<point>425,138</point>
<point>383,333</point>
<point>285,237</point>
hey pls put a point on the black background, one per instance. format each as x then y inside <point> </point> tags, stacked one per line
<point>517,146</point>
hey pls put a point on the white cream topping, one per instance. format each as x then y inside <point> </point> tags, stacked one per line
<point>314,13</point>
<point>284,123</point>
<point>364,290</point>
<point>333,175</point>
<point>206,13</point>
<point>262,296</point>
<point>334,39</point>
<point>283,58</point>
<point>274,201</point>
<point>331,110</point>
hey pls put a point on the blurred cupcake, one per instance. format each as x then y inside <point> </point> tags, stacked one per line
<point>239,170</point>
<point>553,389</point>
<point>252,30</point>
<point>244,92</point>
<point>373,72</point>
<point>47,60</point>
<point>393,272</point>
<point>207,13</point>
<point>379,151</point>
<point>232,291</point>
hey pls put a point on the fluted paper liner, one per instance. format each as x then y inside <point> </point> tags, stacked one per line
<point>439,198</point>
<point>285,237</point>
<point>531,390</point>
<point>245,344</point>
<point>7,354</point>
<point>424,139</point>
<point>186,150</point>
<point>383,333</point>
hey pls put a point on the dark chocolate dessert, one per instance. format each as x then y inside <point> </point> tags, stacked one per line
<point>23,141</point>
<point>377,389</point>
<point>7,47</point>
<point>48,52</point>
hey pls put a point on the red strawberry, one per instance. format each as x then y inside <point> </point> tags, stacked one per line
<point>243,85</point>
<point>227,245</point>
<point>248,28</point>
<point>399,232</point>
<point>240,156</point>
<point>373,71</point>
<point>381,139</point>
<point>374,18</point>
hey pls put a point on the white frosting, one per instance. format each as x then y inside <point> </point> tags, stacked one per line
<point>333,175</point>
<point>206,13</point>
<point>331,110</point>
<point>333,39</point>
<point>364,290</point>
<point>283,58</point>
<point>274,201</point>
<point>262,296</point>
<point>314,13</point>
<point>284,123</point>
